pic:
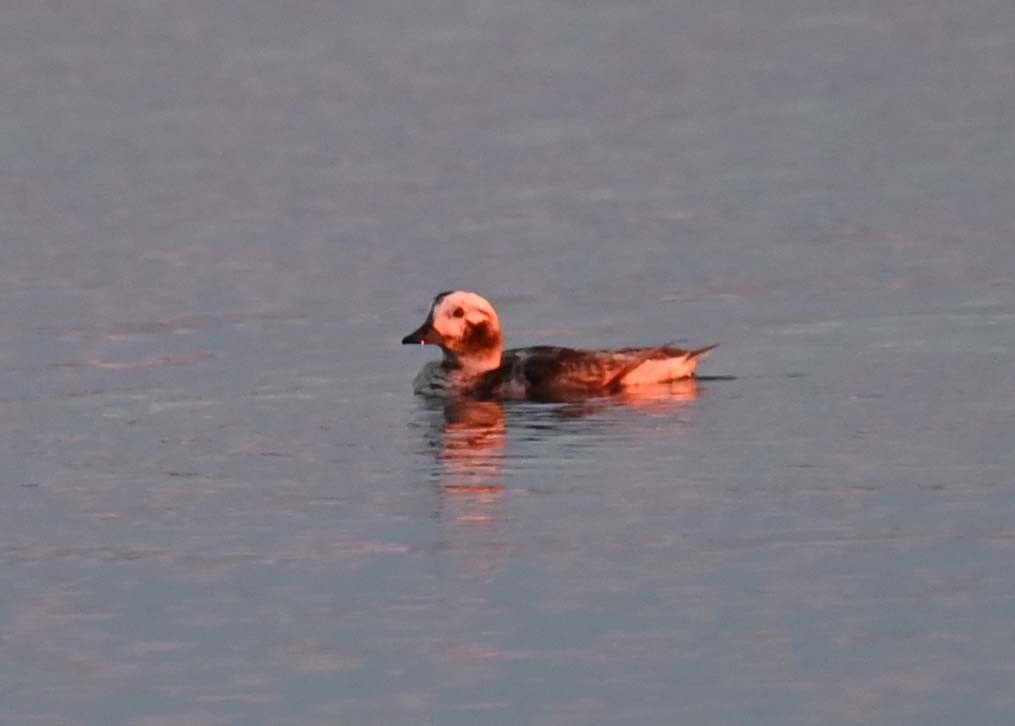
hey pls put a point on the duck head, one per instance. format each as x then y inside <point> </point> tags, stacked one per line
<point>466,328</point>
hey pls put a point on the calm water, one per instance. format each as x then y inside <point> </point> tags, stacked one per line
<point>221,503</point>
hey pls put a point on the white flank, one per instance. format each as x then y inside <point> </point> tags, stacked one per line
<point>663,370</point>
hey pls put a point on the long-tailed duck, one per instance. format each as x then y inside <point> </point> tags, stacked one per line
<point>466,328</point>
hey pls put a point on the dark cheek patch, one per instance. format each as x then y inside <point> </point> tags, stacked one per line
<point>479,336</point>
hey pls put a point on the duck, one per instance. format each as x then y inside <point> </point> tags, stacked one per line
<point>475,365</point>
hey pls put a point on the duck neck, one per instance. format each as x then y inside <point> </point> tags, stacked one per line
<point>475,362</point>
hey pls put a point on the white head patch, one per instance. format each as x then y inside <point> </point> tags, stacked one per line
<point>457,312</point>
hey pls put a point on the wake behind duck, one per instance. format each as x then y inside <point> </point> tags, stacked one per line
<point>474,364</point>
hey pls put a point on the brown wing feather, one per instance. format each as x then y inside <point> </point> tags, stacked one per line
<point>548,368</point>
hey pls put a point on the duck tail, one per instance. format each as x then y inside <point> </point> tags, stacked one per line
<point>702,353</point>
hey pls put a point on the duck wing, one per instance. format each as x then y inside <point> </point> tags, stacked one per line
<point>550,369</point>
<point>551,372</point>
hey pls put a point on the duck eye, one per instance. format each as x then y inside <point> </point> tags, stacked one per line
<point>458,313</point>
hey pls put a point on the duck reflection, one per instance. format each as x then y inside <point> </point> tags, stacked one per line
<point>469,441</point>
<point>470,437</point>
<point>473,444</point>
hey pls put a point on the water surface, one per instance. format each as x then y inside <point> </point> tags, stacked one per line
<point>221,503</point>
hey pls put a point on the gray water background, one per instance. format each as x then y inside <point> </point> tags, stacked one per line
<point>221,504</point>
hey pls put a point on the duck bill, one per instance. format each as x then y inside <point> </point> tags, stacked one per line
<point>423,335</point>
